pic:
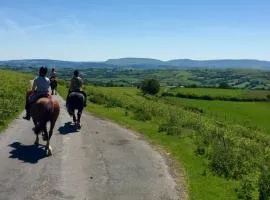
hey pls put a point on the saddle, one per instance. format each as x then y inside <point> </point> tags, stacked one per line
<point>76,93</point>
<point>37,97</point>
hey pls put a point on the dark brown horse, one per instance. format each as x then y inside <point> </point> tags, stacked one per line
<point>53,86</point>
<point>76,102</point>
<point>44,110</point>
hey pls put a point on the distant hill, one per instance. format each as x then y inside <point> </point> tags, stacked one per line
<point>135,61</point>
<point>52,63</point>
<point>142,63</point>
<point>228,63</point>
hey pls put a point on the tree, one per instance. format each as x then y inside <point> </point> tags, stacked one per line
<point>224,85</point>
<point>150,86</point>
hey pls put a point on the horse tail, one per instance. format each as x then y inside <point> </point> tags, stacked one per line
<point>46,116</point>
<point>40,127</point>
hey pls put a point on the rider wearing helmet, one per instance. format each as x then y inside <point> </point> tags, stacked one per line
<point>53,74</point>
<point>76,86</point>
<point>40,88</point>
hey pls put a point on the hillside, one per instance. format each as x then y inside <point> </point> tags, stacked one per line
<point>143,63</point>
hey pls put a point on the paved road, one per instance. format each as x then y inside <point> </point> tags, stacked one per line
<point>102,161</point>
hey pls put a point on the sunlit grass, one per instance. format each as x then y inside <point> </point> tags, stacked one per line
<point>13,86</point>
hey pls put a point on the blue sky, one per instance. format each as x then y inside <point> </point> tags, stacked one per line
<point>96,30</point>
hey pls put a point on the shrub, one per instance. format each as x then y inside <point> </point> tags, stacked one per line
<point>150,86</point>
<point>97,99</point>
<point>142,115</point>
<point>172,126</point>
<point>248,188</point>
<point>224,85</point>
<point>112,102</point>
<point>167,94</point>
<point>264,184</point>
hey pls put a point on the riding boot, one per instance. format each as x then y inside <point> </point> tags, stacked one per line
<point>27,108</point>
<point>85,100</point>
<point>67,99</point>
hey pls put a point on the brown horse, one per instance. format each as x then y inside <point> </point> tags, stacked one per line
<point>42,111</point>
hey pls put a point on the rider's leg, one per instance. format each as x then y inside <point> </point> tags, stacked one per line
<point>27,108</point>
<point>28,101</point>
<point>85,100</point>
<point>67,99</point>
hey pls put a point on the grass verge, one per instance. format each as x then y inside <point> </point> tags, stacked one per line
<point>13,86</point>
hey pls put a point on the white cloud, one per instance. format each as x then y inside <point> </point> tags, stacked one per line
<point>12,25</point>
<point>37,27</point>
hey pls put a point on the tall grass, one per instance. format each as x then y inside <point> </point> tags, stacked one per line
<point>13,86</point>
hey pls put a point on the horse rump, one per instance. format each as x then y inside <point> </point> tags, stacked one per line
<point>44,110</point>
<point>75,102</point>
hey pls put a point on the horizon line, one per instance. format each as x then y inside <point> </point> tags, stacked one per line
<point>150,58</point>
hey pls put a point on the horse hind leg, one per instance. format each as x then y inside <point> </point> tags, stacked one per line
<point>48,147</point>
<point>74,117</point>
<point>52,121</point>
<point>45,133</point>
<point>79,114</point>
<point>37,138</point>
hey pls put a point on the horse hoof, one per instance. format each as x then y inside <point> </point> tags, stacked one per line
<point>36,143</point>
<point>49,151</point>
<point>79,126</point>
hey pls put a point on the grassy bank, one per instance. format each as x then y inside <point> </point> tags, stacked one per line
<point>13,86</point>
<point>222,160</point>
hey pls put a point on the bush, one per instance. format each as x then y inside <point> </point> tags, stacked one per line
<point>224,85</point>
<point>172,126</point>
<point>167,94</point>
<point>97,99</point>
<point>248,188</point>
<point>150,86</point>
<point>111,102</point>
<point>142,115</point>
<point>264,184</point>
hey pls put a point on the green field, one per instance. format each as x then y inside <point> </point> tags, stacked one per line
<point>222,93</point>
<point>235,78</point>
<point>221,160</point>
<point>13,86</point>
<point>249,114</point>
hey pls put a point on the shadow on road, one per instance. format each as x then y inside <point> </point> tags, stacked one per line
<point>27,153</point>
<point>67,129</point>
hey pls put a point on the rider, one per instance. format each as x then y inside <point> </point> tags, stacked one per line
<point>40,88</point>
<point>53,74</point>
<point>76,86</point>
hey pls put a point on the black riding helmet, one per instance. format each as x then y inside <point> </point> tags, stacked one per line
<point>76,73</point>
<point>43,71</point>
